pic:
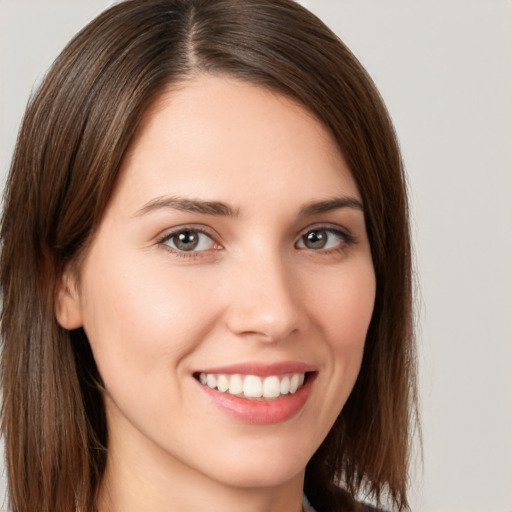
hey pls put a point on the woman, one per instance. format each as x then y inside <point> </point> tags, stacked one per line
<point>206,271</point>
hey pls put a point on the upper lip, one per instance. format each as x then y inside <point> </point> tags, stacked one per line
<point>261,369</point>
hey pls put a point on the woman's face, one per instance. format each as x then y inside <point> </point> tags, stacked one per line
<point>232,261</point>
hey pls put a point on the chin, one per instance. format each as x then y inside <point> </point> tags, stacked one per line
<point>262,468</point>
<point>249,478</point>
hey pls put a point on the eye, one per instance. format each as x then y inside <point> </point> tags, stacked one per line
<point>319,239</point>
<point>188,240</point>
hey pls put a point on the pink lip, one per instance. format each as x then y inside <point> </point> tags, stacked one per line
<point>262,369</point>
<point>261,412</point>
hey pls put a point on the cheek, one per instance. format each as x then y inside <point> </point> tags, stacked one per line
<point>344,312</point>
<point>344,303</point>
<point>139,317</point>
<point>341,308</point>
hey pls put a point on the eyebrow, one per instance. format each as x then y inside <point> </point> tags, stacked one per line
<point>331,204</point>
<point>189,205</point>
<point>218,208</point>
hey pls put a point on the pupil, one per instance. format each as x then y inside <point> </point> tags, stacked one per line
<point>187,241</point>
<point>316,239</point>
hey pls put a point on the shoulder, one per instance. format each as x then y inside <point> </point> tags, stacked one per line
<point>346,503</point>
<point>339,501</point>
<point>363,507</point>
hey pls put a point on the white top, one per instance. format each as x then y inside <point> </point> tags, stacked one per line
<point>306,506</point>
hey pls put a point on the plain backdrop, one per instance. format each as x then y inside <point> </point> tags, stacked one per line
<point>444,68</point>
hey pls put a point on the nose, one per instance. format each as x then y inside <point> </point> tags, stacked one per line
<point>265,301</point>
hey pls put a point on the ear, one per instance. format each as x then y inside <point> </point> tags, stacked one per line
<point>67,307</point>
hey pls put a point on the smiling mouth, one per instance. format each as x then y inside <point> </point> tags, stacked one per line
<point>254,387</point>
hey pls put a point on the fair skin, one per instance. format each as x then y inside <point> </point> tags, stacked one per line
<point>234,243</point>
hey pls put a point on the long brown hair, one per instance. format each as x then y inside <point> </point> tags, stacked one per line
<point>72,140</point>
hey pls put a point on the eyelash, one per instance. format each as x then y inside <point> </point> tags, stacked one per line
<point>163,241</point>
<point>346,239</point>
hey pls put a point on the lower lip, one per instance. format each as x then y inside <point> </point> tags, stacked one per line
<point>261,412</point>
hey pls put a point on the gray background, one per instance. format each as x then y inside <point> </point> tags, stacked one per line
<point>444,68</point>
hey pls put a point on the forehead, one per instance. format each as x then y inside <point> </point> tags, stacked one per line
<point>218,136</point>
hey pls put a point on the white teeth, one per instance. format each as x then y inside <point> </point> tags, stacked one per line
<point>222,383</point>
<point>211,381</point>
<point>236,386</point>
<point>294,383</point>
<point>271,387</point>
<point>285,385</point>
<point>252,386</point>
